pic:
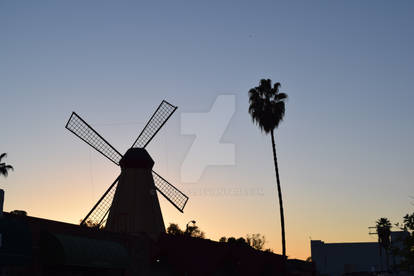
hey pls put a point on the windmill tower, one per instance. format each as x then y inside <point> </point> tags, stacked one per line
<point>131,203</point>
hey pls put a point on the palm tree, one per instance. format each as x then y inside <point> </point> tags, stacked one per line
<point>4,168</point>
<point>384,233</point>
<point>267,109</point>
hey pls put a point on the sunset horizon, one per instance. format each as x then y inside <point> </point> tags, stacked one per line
<point>344,141</point>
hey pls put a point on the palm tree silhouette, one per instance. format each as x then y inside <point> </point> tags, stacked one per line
<point>267,109</point>
<point>4,168</point>
<point>384,232</point>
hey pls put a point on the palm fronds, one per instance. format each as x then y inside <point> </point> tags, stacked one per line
<point>4,168</point>
<point>267,105</point>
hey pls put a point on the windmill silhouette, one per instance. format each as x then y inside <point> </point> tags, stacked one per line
<point>130,204</point>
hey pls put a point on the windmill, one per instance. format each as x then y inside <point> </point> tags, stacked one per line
<point>130,204</point>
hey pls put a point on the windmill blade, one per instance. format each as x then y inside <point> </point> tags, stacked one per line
<point>96,216</point>
<point>171,193</point>
<point>84,131</point>
<point>158,119</point>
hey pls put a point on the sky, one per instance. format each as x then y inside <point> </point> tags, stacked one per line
<point>345,147</point>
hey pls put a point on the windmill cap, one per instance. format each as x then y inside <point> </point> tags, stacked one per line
<point>136,158</point>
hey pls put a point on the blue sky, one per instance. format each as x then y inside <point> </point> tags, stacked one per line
<point>345,147</point>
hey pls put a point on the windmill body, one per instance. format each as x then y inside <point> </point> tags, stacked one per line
<point>135,206</point>
<point>130,204</point>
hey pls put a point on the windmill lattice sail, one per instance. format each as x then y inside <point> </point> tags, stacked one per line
<point>171,193</point>
<point>158,119</point>
<point>98,215</point>
<point>84,131</point>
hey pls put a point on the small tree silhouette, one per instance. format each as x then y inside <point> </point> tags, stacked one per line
<point>231,240</point>
<point>174,229</point>
<point>192,231</point>
<point>256,241</point>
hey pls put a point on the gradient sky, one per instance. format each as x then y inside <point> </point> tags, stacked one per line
<point>345,148</point>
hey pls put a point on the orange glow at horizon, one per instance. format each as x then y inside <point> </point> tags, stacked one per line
<point>216,215</point>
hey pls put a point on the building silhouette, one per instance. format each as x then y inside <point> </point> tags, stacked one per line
<point>354,257</point>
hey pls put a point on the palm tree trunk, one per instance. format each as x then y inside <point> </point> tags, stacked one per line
<point>282,217</point>
<point>387,261</point>
<point>380,254</point>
